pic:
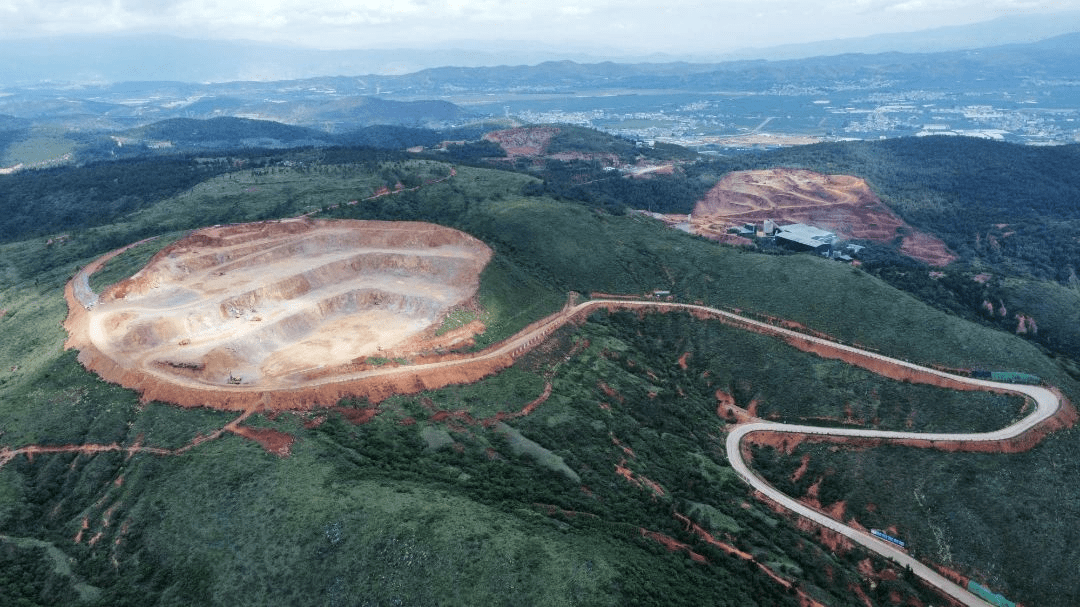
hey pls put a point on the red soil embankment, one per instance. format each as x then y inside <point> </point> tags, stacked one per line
<point>876,365</point>
<point>375,389</point>
<point>1066,417</point>
<point>638,480</point>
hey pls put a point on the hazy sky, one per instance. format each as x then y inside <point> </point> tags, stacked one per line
<point>673,26</point>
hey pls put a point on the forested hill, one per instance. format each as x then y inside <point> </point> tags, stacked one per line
<point>224,130</point>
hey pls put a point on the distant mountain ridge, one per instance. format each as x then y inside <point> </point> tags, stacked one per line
<point>1053,57</point>
<point>1014,29</point>
<point>1056,56</point>
<point>112,107</point>
<point>1017,73</point>
<point>110,59</point>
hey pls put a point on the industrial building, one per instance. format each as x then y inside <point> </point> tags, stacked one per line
<point>802,237</point>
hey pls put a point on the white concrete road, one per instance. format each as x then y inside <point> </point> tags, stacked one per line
<point>1047,404</point>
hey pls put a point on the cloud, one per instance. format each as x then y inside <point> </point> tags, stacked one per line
<point>672,26</point>
<point>976,10</point>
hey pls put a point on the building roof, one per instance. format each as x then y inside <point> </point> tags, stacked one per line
<point>806,235</point>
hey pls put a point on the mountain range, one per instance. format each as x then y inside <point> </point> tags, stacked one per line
<point>107,59</point>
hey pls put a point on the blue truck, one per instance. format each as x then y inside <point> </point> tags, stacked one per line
<point>888,538</point>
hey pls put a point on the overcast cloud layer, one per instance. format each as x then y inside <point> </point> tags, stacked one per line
<point>673,26</point>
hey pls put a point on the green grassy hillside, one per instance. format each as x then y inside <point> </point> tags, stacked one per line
<point>424,504</point>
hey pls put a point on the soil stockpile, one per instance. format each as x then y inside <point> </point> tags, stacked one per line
<point>277,306</point>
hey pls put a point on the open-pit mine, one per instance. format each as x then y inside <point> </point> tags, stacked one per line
<point>843,204</point>
<point>279,305</point>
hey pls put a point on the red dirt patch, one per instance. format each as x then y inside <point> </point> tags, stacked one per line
<point>671,544</point>
<point>526,410</point>
<point>923,246</point>
<point>952,574</point>
<point>801,470</point>
<point>358,416</point>
<point>682,360</point>
<point>529,142</point>
<point>842,204</point>
<point>638,480</point>
<point>315,422</point>
<point>866,567</point>
<point>724,400</point>
<point>827,537</point>
<point>533,142</point>
<point>859,592</point>
<point>784,442</point>
<point>460,415</point>
<point>532,405</point>
<point>705,535</point>
<point>618,443</point>
<point>278,443</point>
<point>610,392</point>
<point>85,526</point>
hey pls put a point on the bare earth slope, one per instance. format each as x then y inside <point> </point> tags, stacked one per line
<point>274,305</point>
<point>840,203</point>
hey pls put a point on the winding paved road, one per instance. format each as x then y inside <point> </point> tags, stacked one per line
<point>1047,405</point>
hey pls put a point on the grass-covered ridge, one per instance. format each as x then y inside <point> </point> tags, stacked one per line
<point>380,511</point>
